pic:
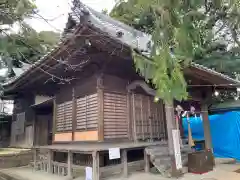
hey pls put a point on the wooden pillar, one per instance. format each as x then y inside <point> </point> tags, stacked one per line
<point>35,155</point>
<point>124,163</point>
<point>206,126</point>
<point>69,165</point>
<point>50,157</point>
<point>129,118</point>
<point>147,161</point>
<point>150,119</point>
<point>34,134</point>
<point>95,165</point>
<point>171,126</point>
<point>134,119</point>
<point>100,108</point>
<point>74,114</point>
<point>54,118</point>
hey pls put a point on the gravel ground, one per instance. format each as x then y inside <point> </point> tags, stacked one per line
<point>221,172</point>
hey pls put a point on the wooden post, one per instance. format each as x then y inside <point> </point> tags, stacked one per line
<point>134,119</point>
<point>74,118</point>
<point>54,118</point>
<point>35,155</point>
<point>171,125</point>
<point>34,134</point>
<point>206,127</point>
<point>50,156</point>
<point>150,120</point>
<point>129,120</point>
<point>100,109</point>
<point>147,161</point>
<point>69,163</point>
<point>142,120</point>
<point>95,165</point>
<point>124,163</point>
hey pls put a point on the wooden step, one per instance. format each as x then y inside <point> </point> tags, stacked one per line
<point>159,156</point>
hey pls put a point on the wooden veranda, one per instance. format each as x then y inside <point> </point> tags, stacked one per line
<point>93,150</point>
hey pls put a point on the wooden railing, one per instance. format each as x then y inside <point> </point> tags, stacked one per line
<point>56,167</point>
<point>59,168</point>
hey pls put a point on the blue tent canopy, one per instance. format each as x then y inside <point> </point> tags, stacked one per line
<point>225,132</point>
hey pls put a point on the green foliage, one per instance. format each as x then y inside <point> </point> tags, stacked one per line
<point>183,31</point>
<point>15,11</point>
<point>26,45</point>
<point>11,12</point>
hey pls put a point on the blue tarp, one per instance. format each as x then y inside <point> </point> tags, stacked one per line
<point>225,132</point>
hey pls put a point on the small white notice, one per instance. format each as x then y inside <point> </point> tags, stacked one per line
<point>177,150</point>
<point>89,173</point>
<point>114,153</point>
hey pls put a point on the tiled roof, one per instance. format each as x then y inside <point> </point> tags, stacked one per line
<point>130,36</point>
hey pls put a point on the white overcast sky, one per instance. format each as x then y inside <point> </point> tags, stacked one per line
<point>58,10</point>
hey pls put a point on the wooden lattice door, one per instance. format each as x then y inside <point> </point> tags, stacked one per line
<point>148,119</point>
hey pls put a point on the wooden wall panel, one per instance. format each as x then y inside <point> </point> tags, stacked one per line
<point>64,117</point>
<point>63,137</point>
<point>113,83</point>
<point>86,136</point>
<point>64,94</point>
<point>86,86</point>
<point>87,112</point>
<point>148,118</point>
<point>158,119</point>
<point>82,88</point>
<point>115,115</point>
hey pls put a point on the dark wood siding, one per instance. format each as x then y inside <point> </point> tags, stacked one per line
<point>22,104</point>
<point>113,83</point>
<point>87,112</point>
<point>84,106</point>
<point>86,87</point>
<point>115,115</point>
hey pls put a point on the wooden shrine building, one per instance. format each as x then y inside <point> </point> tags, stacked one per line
<point>85,97</point>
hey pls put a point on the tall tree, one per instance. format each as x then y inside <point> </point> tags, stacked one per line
<point>183,31</point>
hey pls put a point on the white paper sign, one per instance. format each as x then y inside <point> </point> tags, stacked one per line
<point>114,153</point>
<point>177,150</point>
<point>89,173</point>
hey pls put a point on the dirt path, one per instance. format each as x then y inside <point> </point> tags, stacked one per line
<point>221,172</point>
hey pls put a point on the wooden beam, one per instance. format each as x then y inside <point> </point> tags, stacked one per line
<point>100,108</point>
<point>95,165</point>
<point>147,162</point>
<point>74,117</point>
<point>124,163</point>
<point>69,163</point>
<point>143,85</point>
